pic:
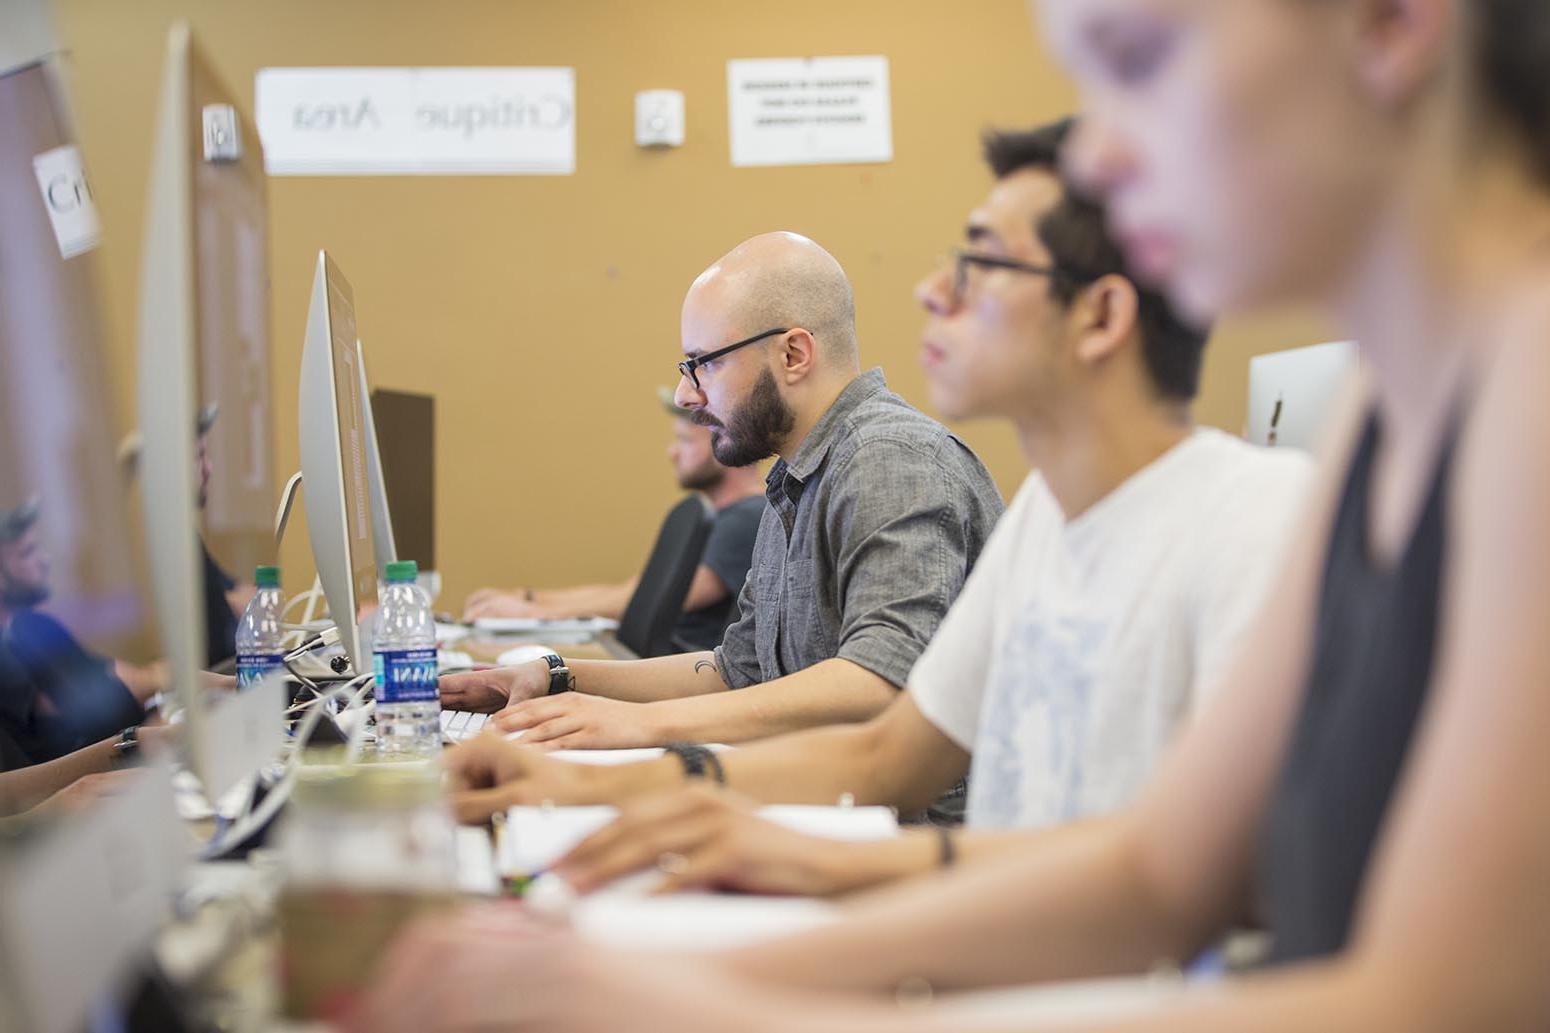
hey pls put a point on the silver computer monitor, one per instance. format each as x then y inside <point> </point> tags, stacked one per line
<point>335,459</point>
<point>385,541</point>
<point>81,893</point>
<point>1292,393</point>
<point>193,349</point>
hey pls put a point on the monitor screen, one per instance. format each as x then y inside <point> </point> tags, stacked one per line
<point>63,498</point>
<point>334,439</point>
<point>231,300</point>
<point>350,414</point>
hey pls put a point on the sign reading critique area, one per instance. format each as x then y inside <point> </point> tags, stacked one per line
<point>809,111</point>
<point>417,121</point>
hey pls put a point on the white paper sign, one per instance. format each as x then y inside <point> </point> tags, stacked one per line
<point>417,121</point>
<point>68,200</point>
<point>809,111</point>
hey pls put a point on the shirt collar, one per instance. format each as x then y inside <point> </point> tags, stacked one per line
<point>810,454</point>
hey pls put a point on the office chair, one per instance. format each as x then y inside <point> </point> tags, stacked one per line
<point>646,627</point>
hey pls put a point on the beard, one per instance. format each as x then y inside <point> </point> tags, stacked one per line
<point>754,429</point>
<point>702,478</point>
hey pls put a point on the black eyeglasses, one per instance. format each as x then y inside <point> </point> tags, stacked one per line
<point>688,366</point>
<point>963,259</point>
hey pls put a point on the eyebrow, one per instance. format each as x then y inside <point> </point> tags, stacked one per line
<point>978,233</point>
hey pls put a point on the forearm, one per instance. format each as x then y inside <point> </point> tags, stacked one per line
<point>646,681</point>
<point>818,766</point>
<point>143,682</point>
<point>828,693</point>
<point>1074,906</point>
<point>27,787</point>
<point>585,601</point>
<point>1326,995</point>
<point>854,866</point>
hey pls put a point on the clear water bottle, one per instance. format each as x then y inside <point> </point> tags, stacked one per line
<point>364,850</point>
<point>260,637</point>
<point>404,658</point>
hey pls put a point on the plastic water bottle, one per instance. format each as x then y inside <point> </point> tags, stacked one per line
<point>260,638</point>
<point>404,658</point>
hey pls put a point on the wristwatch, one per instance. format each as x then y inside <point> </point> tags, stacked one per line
<point>559,675</point>
<point>127,746</point>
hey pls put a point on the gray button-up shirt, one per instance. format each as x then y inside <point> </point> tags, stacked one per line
<point>869,534</point>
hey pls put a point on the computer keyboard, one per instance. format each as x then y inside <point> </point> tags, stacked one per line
<point>457,725</point>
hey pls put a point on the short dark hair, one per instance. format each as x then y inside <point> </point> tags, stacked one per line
<point>1511,41</point>
<point>1080,247</point>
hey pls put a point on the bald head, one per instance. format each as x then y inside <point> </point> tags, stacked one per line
<point>781,280</point>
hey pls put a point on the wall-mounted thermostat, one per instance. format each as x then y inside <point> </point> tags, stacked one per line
<point>659,118</point>
<point>220,131</point>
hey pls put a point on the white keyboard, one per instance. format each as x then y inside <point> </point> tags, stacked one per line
<point>457,725</point>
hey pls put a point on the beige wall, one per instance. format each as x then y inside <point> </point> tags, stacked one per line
<point>542,311</point>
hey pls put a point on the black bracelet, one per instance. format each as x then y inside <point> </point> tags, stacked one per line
<point>716,770</point>
<point>946,849</point>
<point>695,759</point>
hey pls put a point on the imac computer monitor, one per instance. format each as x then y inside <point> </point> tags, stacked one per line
<point>381,513</point>
<point>406,441</point>
<point>81,893</point>
<point>203,339</point>
<point>1291,393</point>
<point>335,457</point>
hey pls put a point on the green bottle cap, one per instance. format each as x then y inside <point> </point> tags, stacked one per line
<point>403,570</point>
<point>267,577</point>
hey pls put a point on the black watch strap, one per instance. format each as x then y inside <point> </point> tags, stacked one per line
<point>127,745</point>
<point>559,675</point>
<point>698,761</point>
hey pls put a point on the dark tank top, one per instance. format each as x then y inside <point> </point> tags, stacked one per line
<point>1374,642</point>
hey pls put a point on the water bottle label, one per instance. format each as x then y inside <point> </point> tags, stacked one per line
<point>251,667</point>
<point>405,675</point>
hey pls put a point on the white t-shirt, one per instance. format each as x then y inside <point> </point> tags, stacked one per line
<point>1077,649</point>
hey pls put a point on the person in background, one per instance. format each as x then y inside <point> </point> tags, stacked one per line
<point>55,695</point>
<point>225,597</point>
<point>735,493</point>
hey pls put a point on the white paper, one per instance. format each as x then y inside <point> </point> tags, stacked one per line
<point>68,200</point>
<point>694,921</point>
<point>537,837</point>
<point>535,625</point>
<point>417,121</point>
<point>809,111</point>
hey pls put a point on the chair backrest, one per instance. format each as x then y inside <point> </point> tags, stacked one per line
<point>647,625</point>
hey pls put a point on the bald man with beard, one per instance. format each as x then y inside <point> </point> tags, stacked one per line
<point>876,514</point>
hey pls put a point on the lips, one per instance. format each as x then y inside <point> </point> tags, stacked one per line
<point>931,354</point>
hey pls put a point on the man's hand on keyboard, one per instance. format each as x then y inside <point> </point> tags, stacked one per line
<point>485,692</point>
<point>721,840</point>
<point>577,721</point>
<point>494,602</point>
<point>489,774</point>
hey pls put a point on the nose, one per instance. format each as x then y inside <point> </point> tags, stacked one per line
<point>686,395</point>
<point>935,290</point>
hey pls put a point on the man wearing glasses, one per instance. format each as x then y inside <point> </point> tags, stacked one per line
<point>875,515</point>
<point>1107,598</point>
